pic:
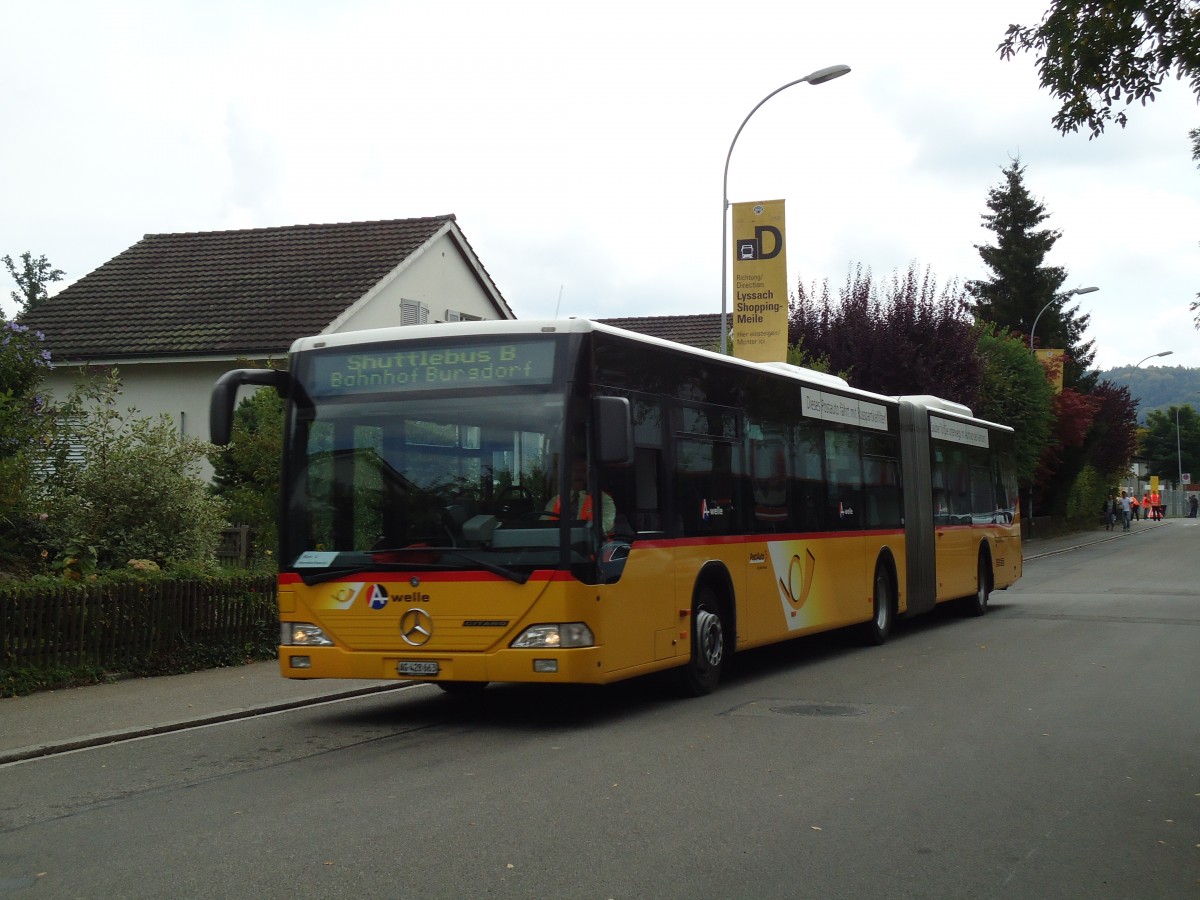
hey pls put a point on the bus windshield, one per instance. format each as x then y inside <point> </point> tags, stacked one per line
<point>399,481</point>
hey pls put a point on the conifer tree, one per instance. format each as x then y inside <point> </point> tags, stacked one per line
<point>1022,286</point>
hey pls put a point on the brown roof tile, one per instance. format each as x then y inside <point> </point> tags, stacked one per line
<point>225,292</point>
<point>697,330</point>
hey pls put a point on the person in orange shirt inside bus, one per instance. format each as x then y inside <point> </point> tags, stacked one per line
<point>580,505</point>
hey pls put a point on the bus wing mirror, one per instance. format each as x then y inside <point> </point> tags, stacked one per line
<point>614,430</point>
<point>224,394</point>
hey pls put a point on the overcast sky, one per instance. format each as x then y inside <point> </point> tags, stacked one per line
<point>581,146</point>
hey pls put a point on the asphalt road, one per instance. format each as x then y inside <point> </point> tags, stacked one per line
<point>1051,748</point>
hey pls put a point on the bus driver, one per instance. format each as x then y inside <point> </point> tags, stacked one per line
<point>581,499</point>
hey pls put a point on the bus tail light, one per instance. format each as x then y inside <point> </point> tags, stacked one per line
<point>556,634</point>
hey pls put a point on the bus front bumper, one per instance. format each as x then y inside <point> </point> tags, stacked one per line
<point>578,665</point>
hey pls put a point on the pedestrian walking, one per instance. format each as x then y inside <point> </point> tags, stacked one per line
<point>1126,510</point>
<point>1134,503</point>
<point>1193,504</point>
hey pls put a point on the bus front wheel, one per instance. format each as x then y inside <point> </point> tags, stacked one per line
<point>702,672</point>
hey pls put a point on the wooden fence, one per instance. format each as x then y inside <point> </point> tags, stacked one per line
<point>121,626</point>
<point>234,547</point>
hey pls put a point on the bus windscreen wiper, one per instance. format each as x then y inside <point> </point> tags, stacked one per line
<point>390,565</point>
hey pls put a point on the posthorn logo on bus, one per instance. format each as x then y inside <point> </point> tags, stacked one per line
<point>416,627</point>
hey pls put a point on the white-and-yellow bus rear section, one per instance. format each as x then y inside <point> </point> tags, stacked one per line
<point>958,549</point>
<point>461,625</point>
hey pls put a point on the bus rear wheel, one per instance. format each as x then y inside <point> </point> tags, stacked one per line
<point>977,604</point>
<point>876,630</point>
<point>709,646</point>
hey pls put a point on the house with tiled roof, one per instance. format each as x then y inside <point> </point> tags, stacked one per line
<point>175,311</point>
<point>697,330</point>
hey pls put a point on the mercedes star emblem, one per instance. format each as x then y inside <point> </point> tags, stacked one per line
<point>416,627</point>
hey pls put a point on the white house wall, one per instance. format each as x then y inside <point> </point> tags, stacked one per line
<point>439,277</point>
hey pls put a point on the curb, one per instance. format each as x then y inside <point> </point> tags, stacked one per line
<point>1104,540</point>
<point>35,751</point>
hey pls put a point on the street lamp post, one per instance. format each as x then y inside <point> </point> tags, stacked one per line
<point>1178,458</point>
<point>1057,299</point>
<point>818,77</point>
<point>1137,478</point>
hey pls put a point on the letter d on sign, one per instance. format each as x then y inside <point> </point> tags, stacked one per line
<point>776,241</point>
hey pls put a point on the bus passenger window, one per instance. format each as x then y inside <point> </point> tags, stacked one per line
<point>844,508</point>
<point>707,474</point>
<point>769,485</point>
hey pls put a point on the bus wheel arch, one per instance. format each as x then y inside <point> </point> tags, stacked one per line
<point>884,599</point>
<point>712,631</point>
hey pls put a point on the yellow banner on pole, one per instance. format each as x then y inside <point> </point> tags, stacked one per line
<point>1053,361</point>
<point>760,309</point>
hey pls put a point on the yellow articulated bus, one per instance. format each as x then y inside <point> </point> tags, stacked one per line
<point>563,501</point>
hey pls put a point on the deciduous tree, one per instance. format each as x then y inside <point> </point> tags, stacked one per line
<point>1098,56</point>
<point>32,278</point>
<point>1164,447</point>
<point>1014,391</point>
<point>906,336</point>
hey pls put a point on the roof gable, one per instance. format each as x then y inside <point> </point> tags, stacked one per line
<point>231,292</point>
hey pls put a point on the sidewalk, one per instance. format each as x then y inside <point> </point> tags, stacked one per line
<point>74,718</point>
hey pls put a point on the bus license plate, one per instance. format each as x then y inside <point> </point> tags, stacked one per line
<point>417,667</point>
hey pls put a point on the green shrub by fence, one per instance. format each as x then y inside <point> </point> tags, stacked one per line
<point>70,633</point>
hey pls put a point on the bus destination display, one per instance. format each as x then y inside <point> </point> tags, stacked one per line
<point>431,367</point>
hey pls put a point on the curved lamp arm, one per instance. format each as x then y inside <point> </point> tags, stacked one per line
<point>1056,299</point>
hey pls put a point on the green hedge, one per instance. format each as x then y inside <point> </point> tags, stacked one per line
<point>58,634</point>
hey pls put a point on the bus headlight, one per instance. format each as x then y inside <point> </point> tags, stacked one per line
<point>302,634</point>
<point>557,634</point>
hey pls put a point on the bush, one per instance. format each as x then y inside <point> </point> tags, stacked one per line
<point>1085,499</point>
<point>24,421</point>
<point>131,492</point>
<point>246,473</point>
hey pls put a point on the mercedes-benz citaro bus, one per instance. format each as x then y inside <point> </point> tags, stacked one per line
<point>563,501</point>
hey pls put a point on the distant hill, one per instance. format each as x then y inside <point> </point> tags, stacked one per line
<point>1158,387</point>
